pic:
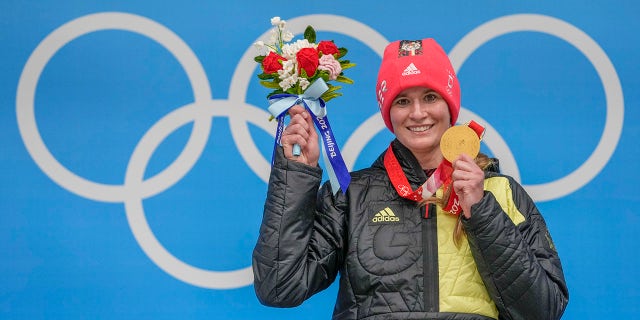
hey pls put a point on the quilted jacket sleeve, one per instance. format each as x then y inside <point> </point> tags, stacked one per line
<point>298,251</point>
<point>518,264</point>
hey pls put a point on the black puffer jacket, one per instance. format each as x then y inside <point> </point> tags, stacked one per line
<point>396,264</point>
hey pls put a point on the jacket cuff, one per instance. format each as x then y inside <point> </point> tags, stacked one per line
<point>482,213</point>
<point>281,162</point>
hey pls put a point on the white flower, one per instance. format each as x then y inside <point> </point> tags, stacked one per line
<point>289,50</point>
<point>262,47</point>
<point>288,82</point>
<point>287,36</point>
<point>304,83</point>
<point>288,67</point>
<point>278,23</point>
<point>273,36</point>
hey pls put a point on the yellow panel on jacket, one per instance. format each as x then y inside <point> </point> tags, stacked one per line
<point>461,287</point>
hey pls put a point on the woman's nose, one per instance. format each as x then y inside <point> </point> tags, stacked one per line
<point>417,110</point>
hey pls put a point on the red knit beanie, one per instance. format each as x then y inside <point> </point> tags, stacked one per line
<point>411,63</point>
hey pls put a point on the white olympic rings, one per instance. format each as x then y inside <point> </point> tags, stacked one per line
<point>136,188</point>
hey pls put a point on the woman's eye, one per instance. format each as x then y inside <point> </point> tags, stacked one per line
<point>431,97</point>
<point>402,102</point>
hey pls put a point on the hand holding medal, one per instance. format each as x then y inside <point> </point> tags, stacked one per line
<point>456,141</point>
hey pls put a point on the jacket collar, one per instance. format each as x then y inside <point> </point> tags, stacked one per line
<point>408,162</point>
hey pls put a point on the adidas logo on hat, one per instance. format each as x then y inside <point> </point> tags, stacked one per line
<point>411,69</point>
<point>385,215</point>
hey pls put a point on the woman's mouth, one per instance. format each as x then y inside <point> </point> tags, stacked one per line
<point>419,128</point>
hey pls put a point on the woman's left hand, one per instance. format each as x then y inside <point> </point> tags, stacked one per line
<point>468,182</point>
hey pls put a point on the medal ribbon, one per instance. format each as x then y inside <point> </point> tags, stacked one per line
<point>401,184</point>
<point>441,176</point>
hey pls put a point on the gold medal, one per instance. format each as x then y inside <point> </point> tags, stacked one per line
<point>458,140</point>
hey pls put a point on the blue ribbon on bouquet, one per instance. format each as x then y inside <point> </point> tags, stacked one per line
<point>279,104</point>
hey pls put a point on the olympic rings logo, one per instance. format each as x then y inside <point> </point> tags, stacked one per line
<point>136,188</point>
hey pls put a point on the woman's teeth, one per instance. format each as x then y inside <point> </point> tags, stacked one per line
<point>420,128</point>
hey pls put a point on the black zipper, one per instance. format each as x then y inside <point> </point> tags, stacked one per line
<point>430,261</point>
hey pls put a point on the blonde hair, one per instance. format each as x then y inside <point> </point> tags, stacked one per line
<point>484,162</point>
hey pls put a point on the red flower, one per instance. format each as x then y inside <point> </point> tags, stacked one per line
<point>308,60</point>
<point>328,47</point>
<point>272,62</point>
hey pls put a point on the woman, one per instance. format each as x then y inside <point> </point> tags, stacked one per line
<point>399,258</point>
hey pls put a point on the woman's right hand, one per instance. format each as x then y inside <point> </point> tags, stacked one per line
<point>301,131</point>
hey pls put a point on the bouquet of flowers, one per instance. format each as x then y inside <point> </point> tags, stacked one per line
<point>290,67</point>
<point>302,72</point>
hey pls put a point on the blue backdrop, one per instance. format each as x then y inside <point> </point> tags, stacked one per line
<point>135,144</point>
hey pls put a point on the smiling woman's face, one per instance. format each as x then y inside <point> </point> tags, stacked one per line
<point>419,117</point>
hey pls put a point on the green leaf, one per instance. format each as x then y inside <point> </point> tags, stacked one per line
<point>344,79</point>
<point>324,75</point>
<point>346,64</point>
<point>303,73</point>
<point>342,52</point>
<point>270,84</point>
<point>328,96</point>
<point>259,59</point>
<point>333,88</point>
<point>310,34</point>
<point>267,76</point>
